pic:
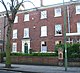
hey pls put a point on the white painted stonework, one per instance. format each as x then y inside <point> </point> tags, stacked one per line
<point>23,43</point>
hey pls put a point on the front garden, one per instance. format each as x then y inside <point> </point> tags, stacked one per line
<point>73,54</point>
<point>35,58</point>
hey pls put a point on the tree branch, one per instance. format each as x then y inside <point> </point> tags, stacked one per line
<point>0,1</point>
<point>31,3</point>
<point>7,14</point>
<point>16,9</point>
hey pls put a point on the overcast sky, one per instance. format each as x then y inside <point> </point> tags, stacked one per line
<point>36,3</point>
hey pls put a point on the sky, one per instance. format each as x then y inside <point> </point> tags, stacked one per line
<point>28,5</point>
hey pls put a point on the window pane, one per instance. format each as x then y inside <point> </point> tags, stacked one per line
<point>78,9</point>
<point>26,32</point>
<point>57,42</point>
<point>58,29</point>
<point>43,14</point>
<point>16,19</point>
<point>0,34</point>
<point>57,12</point>
<point>26,17</point>
<point>14,34</point>
<point>14,47</point>
<point>44,31</point>
<point>78,27</point>
<point>43,47</point>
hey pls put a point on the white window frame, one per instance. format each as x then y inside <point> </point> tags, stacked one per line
<point>0,30</point>
<point>26,17</point>
<point>78,27</point>
<point>58,42</point>
<point>78,9</point>
<point>14,34</point>
<point>43,31</point>
<point>26,33</point>
<point>43,48</point>
<point>79,40</point>
<point>0,34</point>
<point>14,47</point>
<point>57,14</point>
<point>57,28</point>
<point>43,14</point>
<point>16,19</point>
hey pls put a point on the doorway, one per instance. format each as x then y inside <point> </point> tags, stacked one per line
<point>26,48</point>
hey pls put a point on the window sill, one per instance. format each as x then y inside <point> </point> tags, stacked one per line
<point>43,18</point>
<point>58,16</point>
<point>15,22</point>
<point>14,38</point>
<point>58,34</point>
<point>77,13</point>
<point>26,20</point>
<point>43,52</point>
<point>43,36</point>
<point>25,37</point>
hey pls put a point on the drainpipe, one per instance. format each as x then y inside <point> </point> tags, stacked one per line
<point>68,14</point>
<point>41,3</point>
<point>68,19</point>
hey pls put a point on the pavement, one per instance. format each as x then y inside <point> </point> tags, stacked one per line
<point>39,69</point>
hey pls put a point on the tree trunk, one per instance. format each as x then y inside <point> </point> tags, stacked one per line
<point>8,46</point>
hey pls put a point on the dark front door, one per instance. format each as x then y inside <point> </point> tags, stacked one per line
<point>26,48</point>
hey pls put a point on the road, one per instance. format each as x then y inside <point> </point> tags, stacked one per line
<point>4,71</point>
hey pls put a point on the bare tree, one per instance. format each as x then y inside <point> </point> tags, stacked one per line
<point>14,7</point>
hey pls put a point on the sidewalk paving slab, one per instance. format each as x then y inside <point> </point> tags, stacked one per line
<point>40,69</point>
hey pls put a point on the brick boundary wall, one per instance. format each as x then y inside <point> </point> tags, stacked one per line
<point>74,64</point>
<point>35,60</point>
<point>42,61</point>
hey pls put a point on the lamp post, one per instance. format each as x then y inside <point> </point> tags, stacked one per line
<point>64,9</point>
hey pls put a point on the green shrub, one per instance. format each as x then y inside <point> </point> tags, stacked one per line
<point>3,54</point>
<point>30,51</point>
<point>19,54</point>
<point>35,54</point>
<point>73,50</point>
<point>59,46</point>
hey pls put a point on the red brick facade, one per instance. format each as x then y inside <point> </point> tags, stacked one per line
<point>35,22</point>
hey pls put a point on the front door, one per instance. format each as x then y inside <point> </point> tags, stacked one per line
<point>26,48</point>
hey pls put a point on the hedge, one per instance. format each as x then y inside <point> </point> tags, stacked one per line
<point>35,54</point>
<point>73,50</point>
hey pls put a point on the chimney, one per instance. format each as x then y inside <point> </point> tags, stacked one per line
<point>41,3</point>
<point>71,0</point>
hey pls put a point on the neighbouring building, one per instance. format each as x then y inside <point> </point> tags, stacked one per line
<point>42,28</point>
<point>3,23</point>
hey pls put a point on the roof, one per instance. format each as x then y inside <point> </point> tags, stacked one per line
<point>43,7</point>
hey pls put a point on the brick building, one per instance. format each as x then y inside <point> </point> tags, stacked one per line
<point>42,28</point>
<point>1,32</point>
